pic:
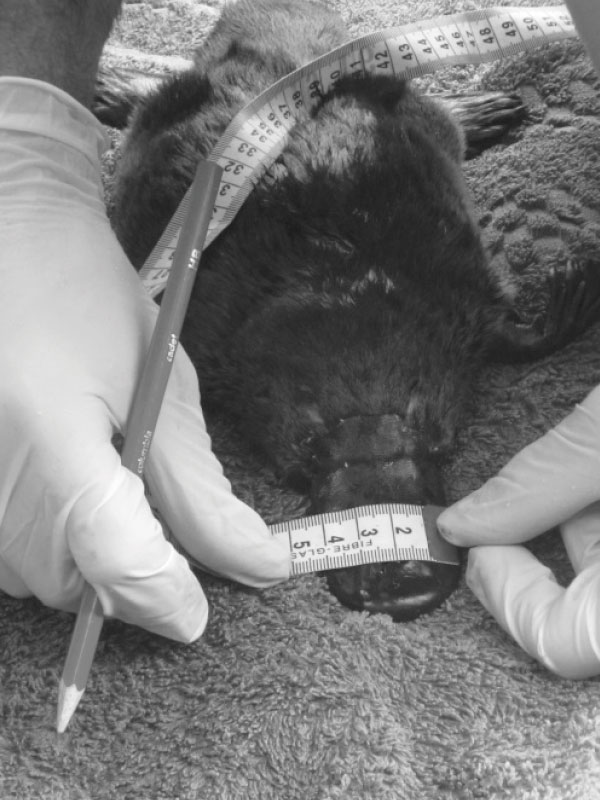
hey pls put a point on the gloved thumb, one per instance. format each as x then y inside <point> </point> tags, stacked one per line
<point>542,486</point>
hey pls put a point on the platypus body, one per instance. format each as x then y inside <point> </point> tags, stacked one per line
<point>345,314</point>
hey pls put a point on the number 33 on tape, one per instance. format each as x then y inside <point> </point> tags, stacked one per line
<point>365,535</point>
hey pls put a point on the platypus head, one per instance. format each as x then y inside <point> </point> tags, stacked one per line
<point>376,459</point>
<point>361,404</point>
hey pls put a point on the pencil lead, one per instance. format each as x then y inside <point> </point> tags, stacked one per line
<point>68,700</point>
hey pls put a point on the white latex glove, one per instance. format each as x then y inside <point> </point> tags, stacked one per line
<point>75,324</point>
<point>554,481</point>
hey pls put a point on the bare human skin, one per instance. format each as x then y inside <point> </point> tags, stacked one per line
<point>57,41</point>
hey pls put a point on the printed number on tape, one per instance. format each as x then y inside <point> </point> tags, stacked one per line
<point>258,133</point>
<point>363,535</point>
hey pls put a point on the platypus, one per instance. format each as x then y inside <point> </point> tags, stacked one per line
<point>343,317</point>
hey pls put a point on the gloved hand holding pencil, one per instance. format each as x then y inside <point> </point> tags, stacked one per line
<point>75,323</point>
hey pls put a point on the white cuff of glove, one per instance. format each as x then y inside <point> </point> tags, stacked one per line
<point>50,149</point>
<point>39,108</point>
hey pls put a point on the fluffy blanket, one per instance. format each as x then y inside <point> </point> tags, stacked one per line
<point>289,696</point>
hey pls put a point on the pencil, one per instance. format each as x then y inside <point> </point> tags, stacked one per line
<point>144,413</point>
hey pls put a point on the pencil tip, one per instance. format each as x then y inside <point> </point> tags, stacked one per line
<point>68,699</point>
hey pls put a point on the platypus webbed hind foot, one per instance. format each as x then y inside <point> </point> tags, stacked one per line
<point>573,306</point>
<point>485,117</point>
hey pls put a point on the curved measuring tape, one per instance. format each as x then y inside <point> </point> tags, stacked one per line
<point>258,133</point>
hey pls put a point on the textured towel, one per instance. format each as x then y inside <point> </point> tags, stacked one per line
<point>289,696</point>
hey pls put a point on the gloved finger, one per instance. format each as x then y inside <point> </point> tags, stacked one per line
<point>543,485</point>
<point>187,484</point>
<point>558,627</point>
<point>581,536</point>
<point>120,549</point>
<point>98,526</point>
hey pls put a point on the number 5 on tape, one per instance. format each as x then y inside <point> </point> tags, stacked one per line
<point>362,535</point>
<point>365,535</point>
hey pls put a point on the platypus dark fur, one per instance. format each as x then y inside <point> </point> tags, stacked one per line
<point>344,316</point>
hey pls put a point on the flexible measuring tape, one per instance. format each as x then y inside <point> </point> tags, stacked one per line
<point>365,535</point>
<point>362,535</point>
<point>258,133</point>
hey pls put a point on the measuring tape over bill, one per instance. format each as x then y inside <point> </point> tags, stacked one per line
<point>258,133</point>
<point>248,147</point>
<point>363,535</point>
